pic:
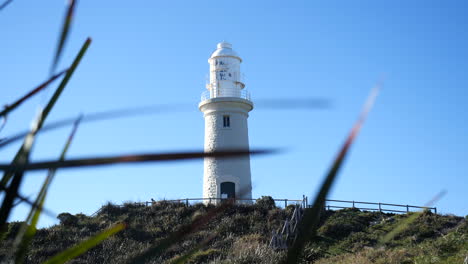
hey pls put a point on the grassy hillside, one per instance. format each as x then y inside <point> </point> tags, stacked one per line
<point>242,233</point>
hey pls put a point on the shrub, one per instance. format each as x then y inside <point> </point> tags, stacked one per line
<point>110,210</point>
<point>429,225</point>
<point>344,222</point>
<point>13,229</point>
<point>67,219</point>
<point>266,202</point>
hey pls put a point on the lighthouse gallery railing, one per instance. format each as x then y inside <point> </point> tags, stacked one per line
<point>216,93</point>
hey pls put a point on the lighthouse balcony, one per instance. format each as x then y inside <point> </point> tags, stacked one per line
<point>217,93</point>
<point>217,85</point>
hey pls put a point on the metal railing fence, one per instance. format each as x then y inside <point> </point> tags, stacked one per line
<point>329,205</point>
<point>381,207</point>
<point>278,202</point>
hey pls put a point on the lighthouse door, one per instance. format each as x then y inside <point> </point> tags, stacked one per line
<point>228,190</point>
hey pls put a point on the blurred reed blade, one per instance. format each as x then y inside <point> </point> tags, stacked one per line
<point>17,203</point>
<point>28,227</point>
<point>84,246</point>
<point>65,80</point>
<point>279,104</point>
<point>24,199</point>
<point>94,117</point>
<point>63,36</point>
<point>29,138</point>
<point>310,221</point>
<point>2,125</point>
<point>293,103</point>
<point>408,221</point>
<point>152,157</point>
<point>22,156</point>
<point>4,4</point>
<point>9,108</point>
<point>28,230</point>
<point>12,191</point>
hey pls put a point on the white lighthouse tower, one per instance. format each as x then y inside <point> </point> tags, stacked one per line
<point>226,106</point>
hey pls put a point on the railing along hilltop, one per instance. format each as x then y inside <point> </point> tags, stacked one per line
<point>330,204</point>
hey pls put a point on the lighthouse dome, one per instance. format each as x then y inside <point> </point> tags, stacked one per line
<point>224,49</point>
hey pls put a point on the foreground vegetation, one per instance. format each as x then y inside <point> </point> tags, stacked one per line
<point>144,240</point>
<point>242,233</point>
<point>176,233</point>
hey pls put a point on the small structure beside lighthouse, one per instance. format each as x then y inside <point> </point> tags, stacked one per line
<point>226,106</point>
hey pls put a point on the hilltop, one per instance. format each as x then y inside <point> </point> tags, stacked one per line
<point>241,235</point>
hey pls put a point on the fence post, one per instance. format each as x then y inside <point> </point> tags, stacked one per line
<point>186,201</point>
<point>328,207</point>
<point>407,208</point>
<point>353,204</point>
<point>380,207</point>
<point>435,210</point>
<point>209,202</point>
<point>285,203</point>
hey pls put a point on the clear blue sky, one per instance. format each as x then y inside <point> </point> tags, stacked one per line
<point>413,145</point>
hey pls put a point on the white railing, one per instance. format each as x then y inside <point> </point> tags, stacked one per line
<point>216,93</point>
<point>216,84</point>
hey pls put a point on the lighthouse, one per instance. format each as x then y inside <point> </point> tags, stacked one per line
<point>226,106</point>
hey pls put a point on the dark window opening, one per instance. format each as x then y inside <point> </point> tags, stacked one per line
<point>228,190</point>
<point>226,121</point>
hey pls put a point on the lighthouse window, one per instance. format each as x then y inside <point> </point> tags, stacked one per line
<point>226,121</point>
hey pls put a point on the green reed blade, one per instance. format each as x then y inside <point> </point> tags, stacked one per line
<point>63,36</point>
<point>310,221</point>
<point>28,228</point>
<point>22,156</point>
<point>45,112</point>
<point>9,108</point>
<point>65,80</point>
<point>84,246</point>
<point>24,199</point>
